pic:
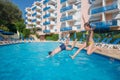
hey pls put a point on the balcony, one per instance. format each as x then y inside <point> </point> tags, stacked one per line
<point>105,8</point>
<point>73,1</point>
<point>33,8</point>
<point>29,22</point>
<point>52,22</point>
<point>29,18</point>
<point>34,20</point>
<point>46,8</point>
<point>66,29</point>
<point>116,16</point>
<point>28,9</point>
<point>52,30</point>
<point>46,16</point>
<point>48,1</point>
<point>28,15</point>
<point>74,28</point>
<point>62,1</point>
<point>34,14</point>
<point>68,8</point>
<point>68,18</point>
<point>38,7</point>
<point>45,1</point>
<point>104,25</point>
<point>111,7</point>
<point>28,12</point>
<point>95,1</point>
<point>38,13</point>
<point>52,8</point>
<point>77,23</point>
<point>38,26</point>
<point>38,19</point>
<point>46,23</point>
<point>46,31</point>
<point>52,16</point>
<point>49,16</point>
<point>97,10</point>
<point>97,18</point>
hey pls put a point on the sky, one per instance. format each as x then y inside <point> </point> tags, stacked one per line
<point>22,4</point>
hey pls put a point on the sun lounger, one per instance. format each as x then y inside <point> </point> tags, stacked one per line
<point>107,42</point>
<point>114,44</point>
<point>100,43</point>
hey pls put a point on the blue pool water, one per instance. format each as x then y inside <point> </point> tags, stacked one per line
<point>28,62</point>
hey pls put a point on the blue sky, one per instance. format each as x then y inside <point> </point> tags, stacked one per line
<point>22,4</point>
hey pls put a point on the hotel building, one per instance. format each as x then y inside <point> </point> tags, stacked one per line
<point>105,14</point>
<point>34,15</point>
<point>56,16</point>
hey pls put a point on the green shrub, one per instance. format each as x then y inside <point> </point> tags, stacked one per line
<point>4,28</point>
<point>53,37</point>
<point>26,33</point>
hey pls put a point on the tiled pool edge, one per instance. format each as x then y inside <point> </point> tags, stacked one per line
<point>112,53</point>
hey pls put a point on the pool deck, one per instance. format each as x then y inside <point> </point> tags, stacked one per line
<point>112,53</point>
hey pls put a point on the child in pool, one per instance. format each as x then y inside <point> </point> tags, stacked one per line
<point>63,46</point>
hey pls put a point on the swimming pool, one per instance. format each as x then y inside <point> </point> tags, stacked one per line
<point>28,61</point>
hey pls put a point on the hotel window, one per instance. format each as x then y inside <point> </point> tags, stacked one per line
<point>79,6</point>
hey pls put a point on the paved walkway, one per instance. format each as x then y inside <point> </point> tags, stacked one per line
<point>113,53</point>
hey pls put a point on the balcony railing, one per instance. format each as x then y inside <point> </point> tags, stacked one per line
<point>34,14</point>
<point>68,8</point>
<point>67,18</point>
<point>34,8</point>
<point>111,7</point>
<point>46,31</point>
<point>45,1</point>
<point>66,29</point>
<point>105,8</point>
<point>51,8</point>
<point>50,1</point>
<point>34,20</point>
<point>104,25</point>
<point>46,23</point>
<point>97,10</point>
<point>46,8</point>
<point>62,1</point>
<point>47,15</point>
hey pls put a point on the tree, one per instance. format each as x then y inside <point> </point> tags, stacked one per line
<point>26,33</point>
<point>20,25</point>
<point>2,27</point>
<point>9,14</point>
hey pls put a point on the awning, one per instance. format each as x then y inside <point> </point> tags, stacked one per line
<point>7,33</point>
<point>1,31</point>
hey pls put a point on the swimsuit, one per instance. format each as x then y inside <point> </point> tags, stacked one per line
<point>87,38</point>
<point>63,47</point>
